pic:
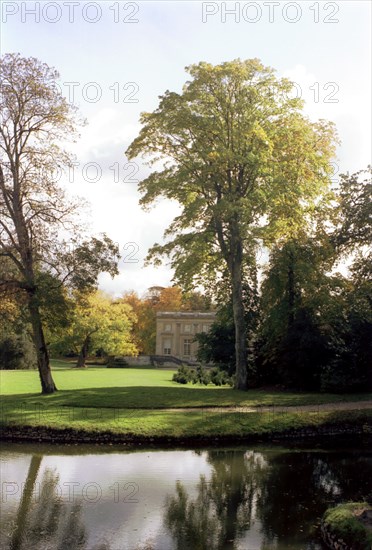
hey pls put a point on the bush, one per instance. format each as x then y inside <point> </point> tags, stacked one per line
<point>200,375</point>
<point>342,522</point>
<point>220,377</point>
<point>350,370</point>
<point>185,375</point>
<point>10,354</point>
<point>17,352</point>
<point>182,376</point>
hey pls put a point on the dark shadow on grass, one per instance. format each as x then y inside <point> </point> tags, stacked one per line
<point>144,397</point>
<point>158,397</point>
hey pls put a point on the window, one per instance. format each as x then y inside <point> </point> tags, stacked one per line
<point>167,347</point>
<point>187,328</point>
<point>167,327</point>
<point>187,347</point>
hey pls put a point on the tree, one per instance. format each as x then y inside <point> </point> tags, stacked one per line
<point>98,322</point>
<point>353,235</point>
<point>298,305</point>
<point>355,210</point>
<point>218,345</point>
<point>144,325</point>
<point>243,163</point>
<point>16,349</point>
<point>34,210</point>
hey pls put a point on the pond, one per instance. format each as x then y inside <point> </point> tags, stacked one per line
<point>241,498</point>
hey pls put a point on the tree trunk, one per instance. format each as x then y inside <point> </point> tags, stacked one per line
<point>83,353</point>
<point>240,328</point>
<point>236,272</point>
<point>291,290</point>
<point>47,383</point>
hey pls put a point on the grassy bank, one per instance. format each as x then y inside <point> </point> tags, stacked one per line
<point>132,402</point>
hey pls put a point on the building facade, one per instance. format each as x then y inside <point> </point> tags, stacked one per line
<point>175,332</point>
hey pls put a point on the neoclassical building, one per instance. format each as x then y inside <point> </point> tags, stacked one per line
<point>175,332</point>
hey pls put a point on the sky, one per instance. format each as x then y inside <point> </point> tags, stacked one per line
<point>116,58</point>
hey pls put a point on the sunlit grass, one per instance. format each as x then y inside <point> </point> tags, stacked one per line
<point>132,401</point>
<point>147,388</point>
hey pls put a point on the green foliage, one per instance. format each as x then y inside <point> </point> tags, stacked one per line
<point>350,366</point>
<point>16,347</point>
<point>200,375</point>
<point>182,376</point>
<point>217,346</point>
<point>219,377</point>
<point>100,322</point>
<point>10,354</point>
<point>355,210</point>
<point>35,209</point>
<point>236,150</point>
<point>302,353</point>
<point>343,523</point>
<point>17,352</point>
<point>88,259</point>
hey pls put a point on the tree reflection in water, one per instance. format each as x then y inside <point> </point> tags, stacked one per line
<point>45,520</point>
<point>281,494</point>
<point>224,507</point>
<point>267,499</point>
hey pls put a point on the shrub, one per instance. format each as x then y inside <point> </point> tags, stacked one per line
<point>220,377</point>
<point>10,354</point>
<point>17,352</point>
<point>182,376</point>
<point>185,375</point>
<point>200,375</point>
<point>342,522</point>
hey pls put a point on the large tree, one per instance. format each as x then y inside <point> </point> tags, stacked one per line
<point>97,322</point>
<point>34,210</point>
<point>242,161</point>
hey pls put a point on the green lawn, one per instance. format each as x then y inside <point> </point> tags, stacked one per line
<point>146,388</point>
<point>131,401</point>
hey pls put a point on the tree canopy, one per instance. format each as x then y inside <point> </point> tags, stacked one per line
<point>243,162</point>
<point>35,212</point>
<point>97,322</point>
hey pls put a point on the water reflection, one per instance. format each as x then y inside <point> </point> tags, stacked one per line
<point>233,499</point>
<point>44,516</point>
<point>283,495</point>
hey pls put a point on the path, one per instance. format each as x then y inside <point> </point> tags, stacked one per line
<point>342,406</point>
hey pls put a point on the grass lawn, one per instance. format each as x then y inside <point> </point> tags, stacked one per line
<point>131,400</point>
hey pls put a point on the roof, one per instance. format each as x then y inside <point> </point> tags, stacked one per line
<point>187,314</point>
